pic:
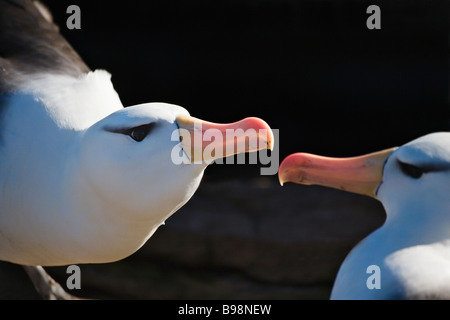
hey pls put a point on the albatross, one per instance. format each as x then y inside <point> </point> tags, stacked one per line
<point>84,179</point>
<point>408,257</point>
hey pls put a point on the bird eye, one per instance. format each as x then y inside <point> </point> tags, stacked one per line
<point>411,170</point>
<point>139,133</point>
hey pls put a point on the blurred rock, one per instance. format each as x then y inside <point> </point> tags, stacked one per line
<point>15,284</point>
<point>235,239</point>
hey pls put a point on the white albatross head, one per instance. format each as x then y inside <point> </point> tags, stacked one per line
<point>126,161</point>
<point>416,182</point>
<point>137,157</point>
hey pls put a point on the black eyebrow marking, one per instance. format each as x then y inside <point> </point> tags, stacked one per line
<point>428,166</point>
<point>428,157</point>
<point>148,126</point>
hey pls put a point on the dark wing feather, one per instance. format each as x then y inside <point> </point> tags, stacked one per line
<point>31,43</point>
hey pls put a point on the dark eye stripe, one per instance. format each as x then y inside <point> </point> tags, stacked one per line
<point>137,133</point>
<point>411,170</point>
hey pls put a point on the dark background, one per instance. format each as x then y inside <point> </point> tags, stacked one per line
<point>311,69</point>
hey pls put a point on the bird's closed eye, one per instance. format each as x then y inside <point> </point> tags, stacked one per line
<point>411,170</point>
<point>138,133</point>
